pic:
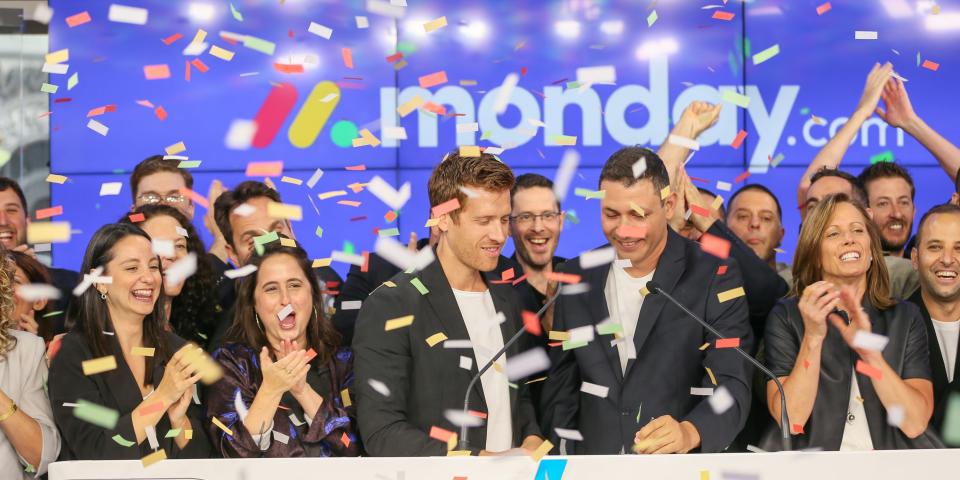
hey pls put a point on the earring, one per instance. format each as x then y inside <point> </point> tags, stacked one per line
<point>316,315</point>
<point>258,321</point>
<point>103,296</point>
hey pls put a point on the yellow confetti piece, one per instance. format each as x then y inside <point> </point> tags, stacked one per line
<point>322,262</point>
<point>199,37</point>
<point>468,83</point>
<point>704,475</point>
<point>59,56</point>
<point>48,232</point>
<point>99,365</point>
<point>188,434</point>
<point>704,346</point>
<point>366,138</point>
<point>665,192</point>
<point>143,351</point>
<point>561,336</point>
<point>432,222</point>
<point>409,106</point>
<point>458,453</point>
<point>288,242</point>
<point>568,140</point>
<point>644,292</point>
<point>52,178</point>
<point>436,338</point>
<point>717,201</point>
<point>345,398</point>
<point>730,294</point>
<point>222,54</point>
<point>269,183</point>
<point>291,180</point>
<point>435,24</point>
<point>469,151</point>
<point>390,284</point>
<point>284,211</point>
<point>636,208</point>
<point>175,148</point>
<point>331,194</point>
<point>399,322</point>
<point>542,450</point>
<point>154,457</point>
<point>713,379</point>
<point>216,421</point>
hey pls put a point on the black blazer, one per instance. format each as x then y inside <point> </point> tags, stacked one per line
<point>906,353</point>
<point>942,388</point>
<point>669,360</point>
<point>116,390</point>
<point>425,381</point>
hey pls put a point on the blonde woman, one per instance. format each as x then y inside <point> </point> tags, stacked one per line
<point>29,441</point>
<point>847,389</point>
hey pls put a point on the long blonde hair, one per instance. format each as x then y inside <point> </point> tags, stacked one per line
<point>7,322</point>
<point>807,267</point>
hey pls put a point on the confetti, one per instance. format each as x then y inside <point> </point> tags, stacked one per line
<point>264,169</point>
<point>320,30</point>
<point>49,212</point>
<point>156,72</point>
<point>48,232</point>
<point>714,245</point>
<point>542,450</point>
<point>735,98</point>
<point>435,24</point>
<point>96,414</point>
<point>722,15</point>
<point>728,342</point>
<point>594,389</point>
<point>652,18</point>
<point>436,338</point>
<point>870,341</point>
<point>721,400</point>
<point>864,35</point>
<point>222,54</point>
<point>399,322</point>
<point>176,148</point>
<point>78,19</point>
<point>125,14</point>
<point>930,65</point>
<point>869,370</point>
<point>143,351</point>
<point>632,231</point>
<point>284,211</point>
<point>58,56</point>
<point>347,56</point>
<point>730,294</point>
<point>526,363</point>
<point>824,8</point>
<point>767,54</point>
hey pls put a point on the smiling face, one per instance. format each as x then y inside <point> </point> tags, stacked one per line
<point>845,245</point>
<point>246,228</point>
<point>164,228</point>
<point>937,257</point>
<point>534,236</point>
<point>136,279</point>
<point>481,229</point>
<point>13,220</point>
<point>893,211</point>
<point>753,218</point>
<point>165,185</point>
<point>281,282</point>
<point>638,238</point>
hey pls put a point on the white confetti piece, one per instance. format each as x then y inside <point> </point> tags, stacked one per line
<point>505,92</point>
<point>599,257</point>
<point>240,272</point>
<point>864,35</point>
<point>284,439</point>
<point>351,305</point>
<point>575,289</point>
<point>724,186</point>
<point>895,415</point>
<point>684,142</point>
<point>98,127</point>
<point>33,292</point>
<point>315,178</point>
<point>569,434</point>
<point>240,134</point>
<point>870,341</point>
<point>594,389</point>
<point>721,400</point>
<point>458,344</point>
<point>320,30</point>
<point>42,14</point>
<point>239,406</point>
<point>379,387</point>
<point>394,133</point>
<point>701,391</point>
<point>468,127</point>
<point>125,14</point>
<point>349,258</point>
<point>287,310</point>
<point>462,419</point>
<point>606,74</point>
<point>151,436</point>
<point>244,210</point>
<point>526,363</point>
<point>565,173</point>
<point>639,167</point>
<point>395,199</point>
<point>181,270</point>
<point>55,68</point>
<point>163,248</point>
<point>362,22</point>
<point>110,188</point>
<point>466,362</point>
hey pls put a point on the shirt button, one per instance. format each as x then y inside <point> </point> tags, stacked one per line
<point>851,417</point>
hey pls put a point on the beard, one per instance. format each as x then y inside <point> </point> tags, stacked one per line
<point>892,246</point>
<point>524,255</point>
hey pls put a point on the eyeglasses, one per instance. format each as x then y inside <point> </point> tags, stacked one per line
<point>525,219</point>
<point>153,198</point>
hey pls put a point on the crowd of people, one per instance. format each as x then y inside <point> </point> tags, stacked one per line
<point>256,353</point>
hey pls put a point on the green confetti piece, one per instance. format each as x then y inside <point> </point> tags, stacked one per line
<point>188,164</point>
<point>746,48</point>
<point>260,241</point>
<point>572,216</point>
<point>588,194</point>
<point>52,314</point>
<point>485,135</point>
<point>568,345</point>
<point>885,156</point>
<point>96,414</point>
<point>652,18</point>
<point>766,54</point>
<point>123,442</point>
<point>805,111</point>
<point>389,232</point>
<point>419,286</point>
<point>732,63</point>
<point>73,80</point>
<point>735,98</point>
<point>48,88</point>
<point>30,469</point>
<point>639,409</point>
<point>609,328</point>
<point>236,13</point>
<point>951,421</point>
<point>348,247</point>
<point>572,85</point>
<point>406,47</point>
<point>260,45</point>
<point>319,232</point>
<point>172,433</point>
<point>918,59</point>
<point>5,156</point>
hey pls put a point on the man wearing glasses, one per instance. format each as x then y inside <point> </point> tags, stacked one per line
<point>535,225</point>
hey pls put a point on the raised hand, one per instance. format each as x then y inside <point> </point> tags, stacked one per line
<point>284,374</point>
<point>288,347</point>
<point>178,410</point>
<point>876,79</point>
<point>816,303</point>
<point>899,112</point>
<point>700,116</point>
<point>28,324</point>
<point>859,322</point>
<point>178,377</point>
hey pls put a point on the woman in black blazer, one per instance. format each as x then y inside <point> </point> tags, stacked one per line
<point>119,358</point>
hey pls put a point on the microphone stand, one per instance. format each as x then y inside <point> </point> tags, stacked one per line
<point>462,443</point>
<point>784,419</point>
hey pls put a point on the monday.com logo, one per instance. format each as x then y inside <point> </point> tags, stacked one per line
<point>768,119</point>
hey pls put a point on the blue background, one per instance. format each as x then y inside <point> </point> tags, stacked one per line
<point>483,41</point>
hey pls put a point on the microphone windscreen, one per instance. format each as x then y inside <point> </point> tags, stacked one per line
<point>653,287</point>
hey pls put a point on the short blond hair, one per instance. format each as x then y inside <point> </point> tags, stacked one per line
<point>485,172</point>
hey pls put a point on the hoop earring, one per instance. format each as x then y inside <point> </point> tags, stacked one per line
<point>103,296</point>
<point>258,321</point>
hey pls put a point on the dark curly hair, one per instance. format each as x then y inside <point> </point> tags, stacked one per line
<point>192,313</point>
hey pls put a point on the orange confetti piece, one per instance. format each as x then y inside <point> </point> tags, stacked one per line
<point>161,113</point>
<point>441,434</point>
<point>345,440</point>
<point>288,68</point>
<point>714,245</point>
<point>563,277</point>
<point>721,270</point>
<point>632,231</point>
<point>797,429</point>
<point>151,408</point>
<point>172,38</point>
<point>741,135</point>
<point>390,216</point>
<point>445,207</point>
<point>199,65</point>
<point>186,70</point>
<point>349,203</point>
<point>697,209</point>
<point>721,15</point>
<point>195,197</point>
<point>531,323</point>
<point>136,217</point>
<point>869,370</point>
<point>357,168</point>
<point>434,79</point>
<point>743,176</point>
<point>311,354</point>
<point>347,57</point>
<point>49,212</point>
<point>264,169</point>
<point>507,274</point>
<point>156,72</point>
<point>78,19</point>
<point>728,342</point>
<point>824,8</point>
<point>433,107</point>
<point>930,65</point>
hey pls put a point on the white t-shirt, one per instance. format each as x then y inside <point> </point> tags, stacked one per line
<point>947,336</point>
<point>624,302</point>
<point>856,432</point>
<point>480,317</point>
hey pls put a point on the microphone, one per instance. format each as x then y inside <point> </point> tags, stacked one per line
<point>654,289</point>
<point>462,443</point>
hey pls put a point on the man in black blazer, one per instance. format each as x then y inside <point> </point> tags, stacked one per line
<point>936,258</point>
<point>411,376</point>
<point>632,387</point>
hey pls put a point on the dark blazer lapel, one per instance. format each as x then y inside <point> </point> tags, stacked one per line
<point>121,383</point>
<point>668,273</point>
<point>937,368</point>
<point>445,307</point>
<point>596,278</point>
